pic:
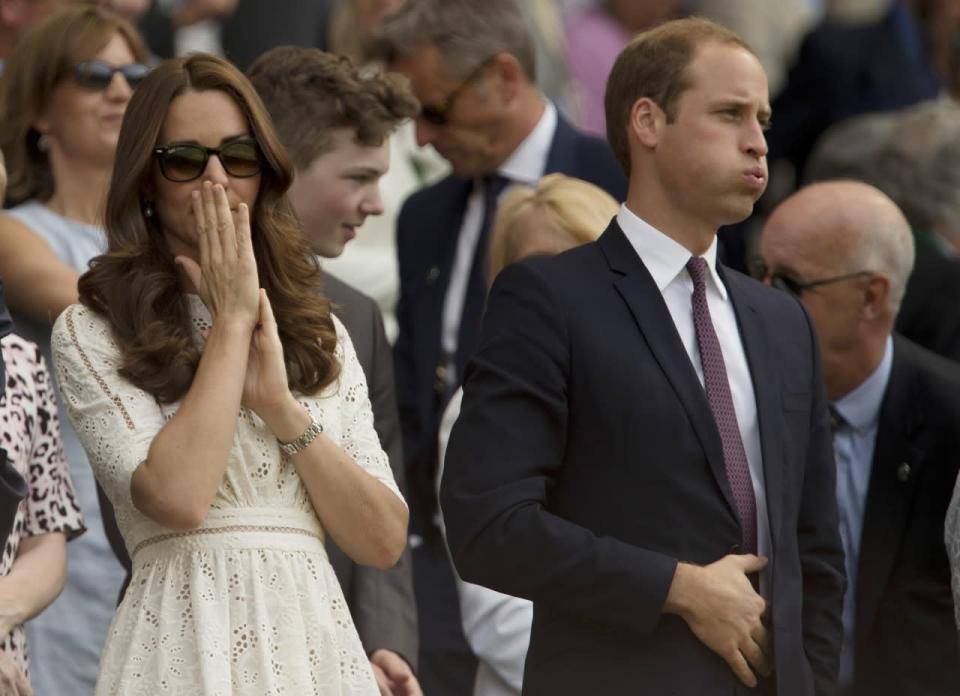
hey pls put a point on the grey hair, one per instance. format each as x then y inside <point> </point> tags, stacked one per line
<point>912,155</point>
<point>887,248</point>
<point>467,33</point>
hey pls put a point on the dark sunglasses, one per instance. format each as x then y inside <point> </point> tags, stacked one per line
<point>186,161</point>
<point>95,74</point>
<point>438,114</point>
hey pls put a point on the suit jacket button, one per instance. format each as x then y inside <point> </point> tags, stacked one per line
<point>433,274</point>
<point>736,549</point>
<point>903,472</point>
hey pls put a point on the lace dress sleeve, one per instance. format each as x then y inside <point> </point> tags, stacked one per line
<point>359,438</point>
<point>52,502</point>
<point>115,421</point>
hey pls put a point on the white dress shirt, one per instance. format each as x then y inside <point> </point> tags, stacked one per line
<point>666,260</point>
<point>525,166</point>
<point>497,626</point>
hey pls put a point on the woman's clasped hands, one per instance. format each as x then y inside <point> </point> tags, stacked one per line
<point>226,280</point>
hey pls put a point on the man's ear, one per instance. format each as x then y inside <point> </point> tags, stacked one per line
<point>876,298</point>
<point>507,77</point>
<point>647,121</point>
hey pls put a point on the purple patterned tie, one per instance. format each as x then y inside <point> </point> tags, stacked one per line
<point>721,403</point>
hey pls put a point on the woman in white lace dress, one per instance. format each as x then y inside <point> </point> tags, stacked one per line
<point>223,409</point>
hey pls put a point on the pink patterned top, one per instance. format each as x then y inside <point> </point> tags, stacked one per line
<point>30,434</point>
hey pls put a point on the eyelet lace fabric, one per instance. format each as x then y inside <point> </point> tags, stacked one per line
<point>952,539</point>
<point>248,604</point>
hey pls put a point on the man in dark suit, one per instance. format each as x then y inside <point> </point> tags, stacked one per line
<point>846,250</point>
<point>471,64</point>
<point>644,447</point>
<point>335,123</point>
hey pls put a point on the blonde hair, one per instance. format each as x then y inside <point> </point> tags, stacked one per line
<point>563,206</point>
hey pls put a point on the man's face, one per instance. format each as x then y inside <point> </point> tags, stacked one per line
<point>338,190</point>
<point>711,160</point>
<point>836,308</point>
<point>471,139</point>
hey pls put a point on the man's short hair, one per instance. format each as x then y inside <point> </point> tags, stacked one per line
<point>654,65</point>
<point>466,32</point>
<point>310,93</point>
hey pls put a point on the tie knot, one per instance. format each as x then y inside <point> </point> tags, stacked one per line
<point>697,268</point>
<point>493,185</point>
<point>837,420</point>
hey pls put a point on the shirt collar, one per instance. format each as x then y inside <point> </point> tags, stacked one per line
<point>664,257</point>
<point>529,161</point>
<point>861,407</point>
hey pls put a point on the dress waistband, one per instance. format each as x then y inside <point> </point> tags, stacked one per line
<point>241,528</point>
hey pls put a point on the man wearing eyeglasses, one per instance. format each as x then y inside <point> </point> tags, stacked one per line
<point>845,251</point>
<point>471,64</point>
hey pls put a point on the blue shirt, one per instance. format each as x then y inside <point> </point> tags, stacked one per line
<point>853,445</point>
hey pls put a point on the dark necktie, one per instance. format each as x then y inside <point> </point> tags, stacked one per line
<point>721,403</point>
<point>837,420</point>
<point>469,334</point>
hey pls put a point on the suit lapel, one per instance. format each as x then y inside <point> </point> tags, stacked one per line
<point>638,289</point>
<point>766,389</point>
<point>897,460</point>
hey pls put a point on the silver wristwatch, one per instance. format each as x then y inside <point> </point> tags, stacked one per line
<point>301,443</point>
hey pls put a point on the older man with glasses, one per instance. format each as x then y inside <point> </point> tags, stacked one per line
<point>846,252</point>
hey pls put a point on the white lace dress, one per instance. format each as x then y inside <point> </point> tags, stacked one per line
<point>952,539</point>
<point>247,604</point>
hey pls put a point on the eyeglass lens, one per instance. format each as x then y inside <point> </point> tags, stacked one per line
<point>96,74</point>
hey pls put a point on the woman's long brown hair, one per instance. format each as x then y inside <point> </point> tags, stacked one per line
<point>135,284</point>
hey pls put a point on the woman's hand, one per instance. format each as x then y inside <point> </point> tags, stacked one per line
<point>12,680</point>
<point>226,278</point>
<point>265,389</point>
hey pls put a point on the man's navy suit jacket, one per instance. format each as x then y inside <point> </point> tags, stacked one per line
<point>428,230</point>
<point>586,463</point>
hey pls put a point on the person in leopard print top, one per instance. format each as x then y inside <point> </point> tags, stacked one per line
<point>34,560</point>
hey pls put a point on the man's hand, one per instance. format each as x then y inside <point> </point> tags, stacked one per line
<point>12,681</point>
<point>723,610</point>
<point>393,673</point>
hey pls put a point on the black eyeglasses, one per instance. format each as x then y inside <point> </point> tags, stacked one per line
<point>796,287</point>
<point>760,271</point>
<point>95,74</point>
<point>438,114</point>
<point>186,161</point>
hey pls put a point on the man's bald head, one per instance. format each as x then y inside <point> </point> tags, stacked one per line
<point>850,251</point>
<point>838,227</point>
